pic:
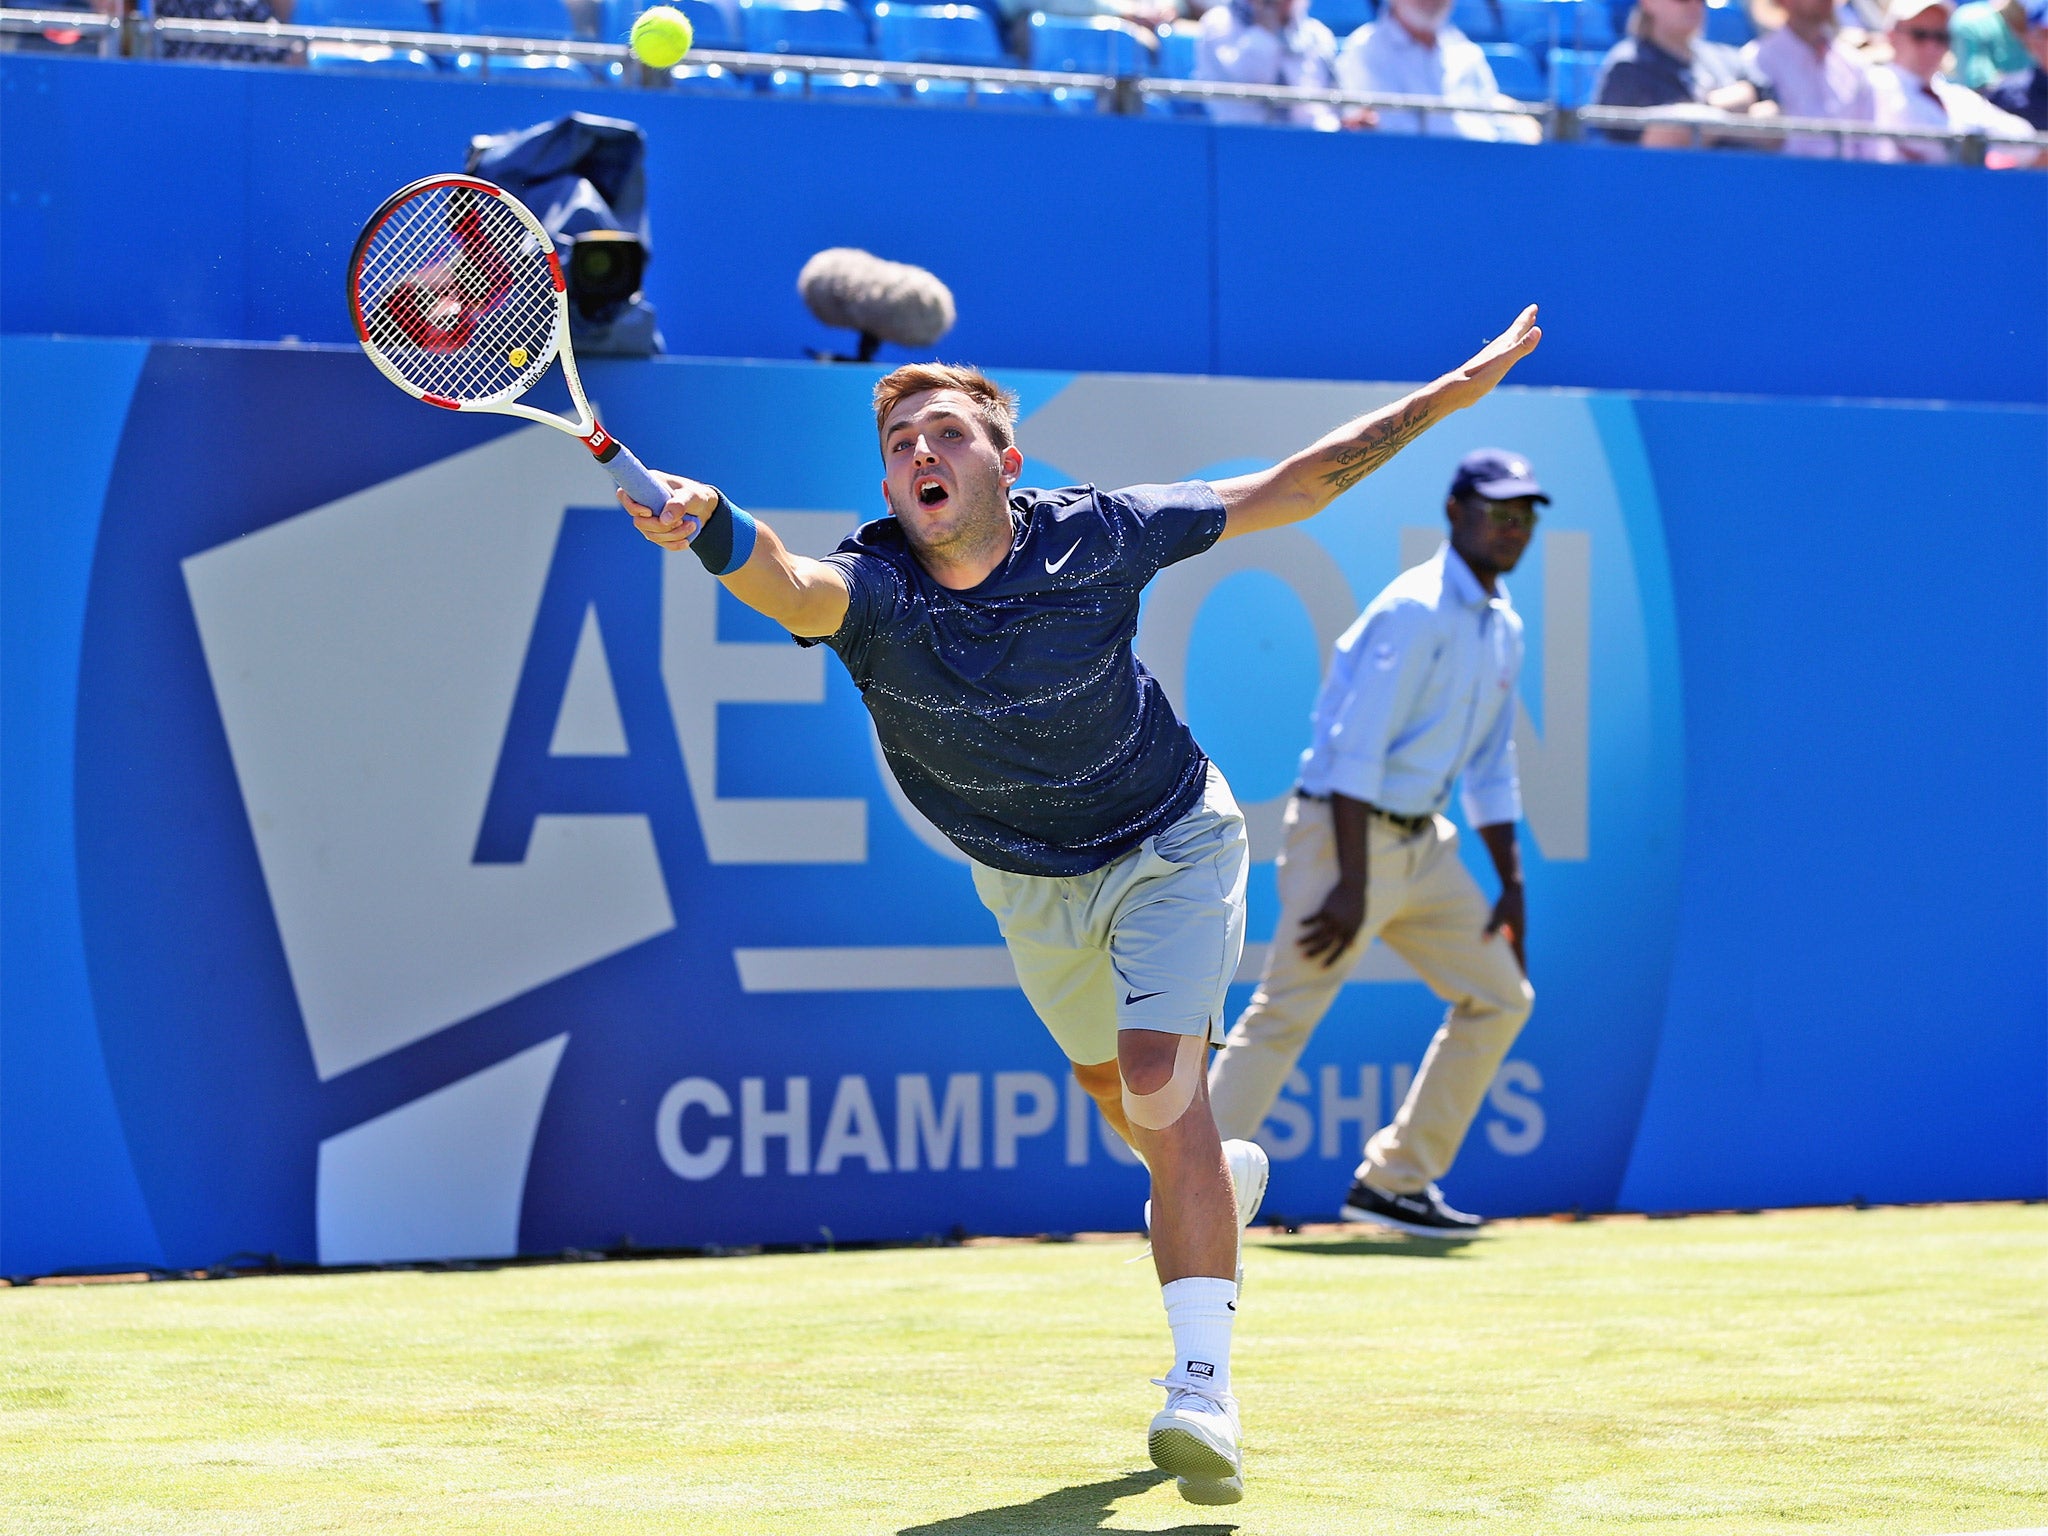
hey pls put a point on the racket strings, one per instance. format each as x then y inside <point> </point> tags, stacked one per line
<point>456,295</point>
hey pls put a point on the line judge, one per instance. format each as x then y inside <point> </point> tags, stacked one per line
<point>1420,692</point>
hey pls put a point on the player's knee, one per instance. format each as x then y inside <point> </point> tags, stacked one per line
<point>1162,1075</point>
<point>1099,1080</point>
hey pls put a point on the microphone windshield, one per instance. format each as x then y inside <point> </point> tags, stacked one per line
<point>851,289</point>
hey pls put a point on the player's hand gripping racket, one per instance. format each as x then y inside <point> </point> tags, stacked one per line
<point>459,299</point>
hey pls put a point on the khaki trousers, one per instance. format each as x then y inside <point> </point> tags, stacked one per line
<point>1429,910</point>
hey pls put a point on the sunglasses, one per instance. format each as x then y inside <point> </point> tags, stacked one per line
<point>1927,35</point>
<point>1505,514</point>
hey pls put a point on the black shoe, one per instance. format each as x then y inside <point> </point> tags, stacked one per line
<point>1422,1214</point>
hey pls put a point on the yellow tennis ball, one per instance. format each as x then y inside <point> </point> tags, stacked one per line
<point>661,36</point>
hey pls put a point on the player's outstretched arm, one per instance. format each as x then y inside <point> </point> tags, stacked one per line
<point>805,596</point>
<point>1301,486</point>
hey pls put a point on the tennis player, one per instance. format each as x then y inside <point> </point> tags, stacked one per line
<point>989,630</point>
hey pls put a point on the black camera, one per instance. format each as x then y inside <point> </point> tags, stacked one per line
<point>605,271</point>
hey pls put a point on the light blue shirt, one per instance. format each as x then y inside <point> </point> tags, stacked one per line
<point>1421,690</point>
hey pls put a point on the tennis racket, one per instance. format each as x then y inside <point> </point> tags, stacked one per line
<point>459,300</point>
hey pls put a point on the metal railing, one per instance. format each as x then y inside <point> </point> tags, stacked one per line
<point>140,36</point>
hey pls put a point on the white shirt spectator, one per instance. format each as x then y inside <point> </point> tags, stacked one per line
<point>1421,690</point>
<point>1231,43</point>
<point>1384,56</point>
<point>1904,100</point>
<point>1831,83</point>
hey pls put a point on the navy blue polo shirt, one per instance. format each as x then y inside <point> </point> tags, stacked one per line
<point>1015,714</point>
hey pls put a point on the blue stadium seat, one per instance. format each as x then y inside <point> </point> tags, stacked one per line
<point>380,15</point>
<point>1572,72</point>
<point>1086,45</point>
<point>509,18</point>
<point>356,59</point>
<point>1343,17</point>
<point>1540,25</point>
<point>1176,59</point>
<point>1728,22</point>
<point>1478,20</point>
<point>937,34</point>
<point>709,27</point>
<point>1517,74</point>
<point>837,85</point>
<point>805,26</point>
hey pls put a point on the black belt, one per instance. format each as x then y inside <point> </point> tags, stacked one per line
<point>1405,823</point>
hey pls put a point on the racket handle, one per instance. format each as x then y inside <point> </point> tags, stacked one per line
<point>632,478</point>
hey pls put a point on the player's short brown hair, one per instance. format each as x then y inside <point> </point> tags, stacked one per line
<point>997,406</point>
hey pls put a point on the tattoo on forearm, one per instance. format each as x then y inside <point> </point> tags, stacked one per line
<point>1377,444</point>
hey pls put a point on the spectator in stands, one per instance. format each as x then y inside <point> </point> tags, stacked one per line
<point>1413,50</point>
<point>255,12</point>
<point>1912,93</point>
<point>1267,42</point>
<point>1813,73</point>
<point>1664,62</point>
<point>2025,93</point>
<point>1988,39</point>
<point>59,38</point>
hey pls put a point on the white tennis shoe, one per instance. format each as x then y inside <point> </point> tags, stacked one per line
<point>1195,1438</point>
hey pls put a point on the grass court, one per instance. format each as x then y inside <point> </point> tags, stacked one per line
<point>1821,1370</point>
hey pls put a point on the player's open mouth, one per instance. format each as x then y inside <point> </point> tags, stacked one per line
<point>929,493</point>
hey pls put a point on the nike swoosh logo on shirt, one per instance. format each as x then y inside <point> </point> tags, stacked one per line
<point>1052,567</point>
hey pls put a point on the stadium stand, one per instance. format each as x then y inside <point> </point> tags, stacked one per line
<point>1544,54</point>
<point>510,18</point>
<point>1343,17</point>
<point>1540,25</point>
<point>843,85</point>
<point>1572,72</point>
<point>711,27</point>
<point>1176,57</point>
<point>1086,45</point>
<point>937,34</point>
<point>828,27</point>
<point>1728,22</point>
<point>388,15</point>
<point>367,59</point>
<point>1479,20</point>
<point>1515,72</point>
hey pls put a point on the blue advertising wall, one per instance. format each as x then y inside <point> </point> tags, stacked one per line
<point>1071,241</point>
<point>403,859</point>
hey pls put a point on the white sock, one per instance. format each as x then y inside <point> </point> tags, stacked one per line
<point>1200,1311</point>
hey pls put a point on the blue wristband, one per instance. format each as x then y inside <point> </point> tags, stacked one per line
<point>726,541</point>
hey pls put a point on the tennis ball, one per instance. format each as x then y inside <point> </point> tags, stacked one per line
<point>661,36</point>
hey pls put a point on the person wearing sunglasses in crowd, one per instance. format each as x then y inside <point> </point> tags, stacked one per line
<point>1664,62</point>
<point>1912,92</point>
<point>1420,693</point>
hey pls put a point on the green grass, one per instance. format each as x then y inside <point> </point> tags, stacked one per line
<point>1820,1370</point>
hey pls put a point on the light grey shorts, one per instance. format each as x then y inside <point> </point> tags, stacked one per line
<point>1150,941</point>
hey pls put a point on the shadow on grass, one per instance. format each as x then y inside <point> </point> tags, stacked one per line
<point>1381,1247</point>
<point>1065,1512</point>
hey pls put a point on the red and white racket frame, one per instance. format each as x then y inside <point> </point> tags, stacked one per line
<point>630,474</point>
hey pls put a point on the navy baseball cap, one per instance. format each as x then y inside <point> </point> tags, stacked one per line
<point>1496,474</point>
